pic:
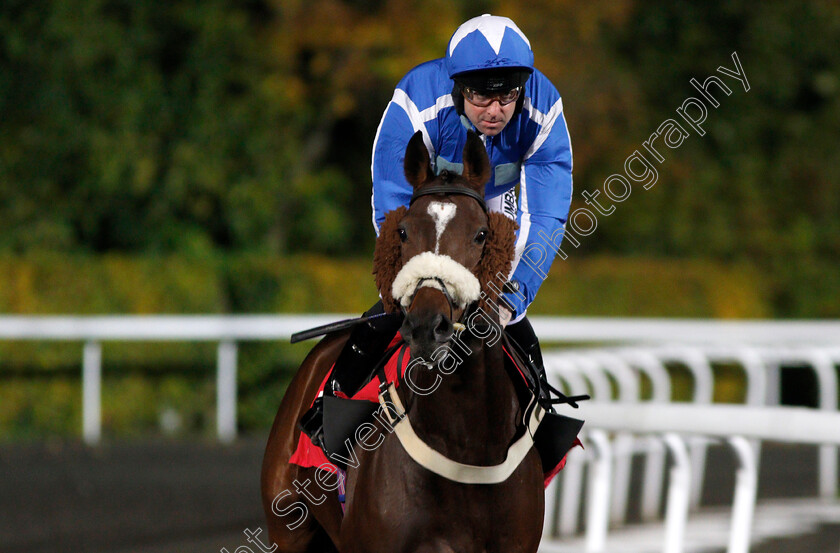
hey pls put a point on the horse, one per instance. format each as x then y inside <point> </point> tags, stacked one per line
<point>439,261</point>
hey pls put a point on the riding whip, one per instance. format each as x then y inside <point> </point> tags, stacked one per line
<point>332,327</point>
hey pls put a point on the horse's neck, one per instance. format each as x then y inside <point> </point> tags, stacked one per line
<point>472,413</point>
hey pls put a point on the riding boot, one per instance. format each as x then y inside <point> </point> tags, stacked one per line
<point>353,368</point>
<point>523,334</point>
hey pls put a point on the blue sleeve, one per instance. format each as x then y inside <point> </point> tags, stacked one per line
<point>544,198</point>
<point>390,188</point>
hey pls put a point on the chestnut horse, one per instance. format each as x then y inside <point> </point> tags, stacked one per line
<point>437,261</point>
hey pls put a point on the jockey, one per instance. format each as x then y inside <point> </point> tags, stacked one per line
<point>486,83</point>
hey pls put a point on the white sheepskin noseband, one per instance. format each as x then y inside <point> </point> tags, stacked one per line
<point>461,285</point>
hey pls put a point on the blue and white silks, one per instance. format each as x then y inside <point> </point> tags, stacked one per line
<point>533,151</point>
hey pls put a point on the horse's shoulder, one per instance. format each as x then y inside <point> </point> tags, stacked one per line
<point>316,365</point>
<point>327,349</point>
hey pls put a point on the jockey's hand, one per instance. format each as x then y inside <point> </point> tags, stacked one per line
<point>504,316</point>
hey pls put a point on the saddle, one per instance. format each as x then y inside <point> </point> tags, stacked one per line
<point>347,421</point>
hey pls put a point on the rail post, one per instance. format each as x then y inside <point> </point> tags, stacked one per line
<point>92,392</point>
<point>746,487</point>
<point>226,392</point>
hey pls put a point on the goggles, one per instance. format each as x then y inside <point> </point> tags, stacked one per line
<point>482,100</point>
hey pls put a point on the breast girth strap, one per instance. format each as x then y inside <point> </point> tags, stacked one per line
<point>441,465</point>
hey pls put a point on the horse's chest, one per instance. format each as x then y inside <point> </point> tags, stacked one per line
<point>405,508</point>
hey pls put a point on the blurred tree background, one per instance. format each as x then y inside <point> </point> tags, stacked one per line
<point>214,156</point>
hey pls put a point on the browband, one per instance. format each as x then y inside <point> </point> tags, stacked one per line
<point>449,190</point>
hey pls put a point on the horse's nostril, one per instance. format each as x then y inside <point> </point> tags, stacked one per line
<point>407,327</point>
<point>443,329</point>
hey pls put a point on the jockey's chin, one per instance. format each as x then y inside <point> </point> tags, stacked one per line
<point>490,120</point>
<point>490,128</point>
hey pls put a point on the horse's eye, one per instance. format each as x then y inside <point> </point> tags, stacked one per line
<point>480,237</point>
<point>403,234</point>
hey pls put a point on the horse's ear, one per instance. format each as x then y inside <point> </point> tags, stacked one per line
<point>417,165</point>
<point>476,163</point>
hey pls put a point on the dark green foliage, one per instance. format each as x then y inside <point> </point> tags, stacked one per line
<point>145,126</point>
<point>761,186</point>
<point>191,127</point>
<point>205,156</point>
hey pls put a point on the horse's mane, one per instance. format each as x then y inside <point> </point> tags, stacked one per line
<point>497,257</point>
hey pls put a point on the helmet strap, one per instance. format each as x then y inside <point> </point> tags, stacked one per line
<point>458,98</point>
<point>520,101</point>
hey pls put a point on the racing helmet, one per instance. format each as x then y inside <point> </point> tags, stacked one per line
<point>488,54</point>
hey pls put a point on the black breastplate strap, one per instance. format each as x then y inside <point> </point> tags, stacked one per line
<point>447,191</point>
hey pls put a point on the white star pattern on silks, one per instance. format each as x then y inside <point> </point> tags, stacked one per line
<point>493,29</point>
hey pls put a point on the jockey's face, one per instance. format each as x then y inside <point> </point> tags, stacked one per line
<point>489,120</point>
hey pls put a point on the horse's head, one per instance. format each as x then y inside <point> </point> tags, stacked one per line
<point>436,259</point>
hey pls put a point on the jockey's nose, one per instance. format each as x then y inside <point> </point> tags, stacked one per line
<point>494,108</point>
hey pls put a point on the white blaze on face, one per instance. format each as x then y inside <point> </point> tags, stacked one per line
<point>442,213</point>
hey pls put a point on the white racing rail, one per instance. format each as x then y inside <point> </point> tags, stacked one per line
<point>613,376</point>
<point>627,350</point>
<point>735,423</point>
<point>92,331</point>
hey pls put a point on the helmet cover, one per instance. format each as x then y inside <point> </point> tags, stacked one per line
<point>489,42</point>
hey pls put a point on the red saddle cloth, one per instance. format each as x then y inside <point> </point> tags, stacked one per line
<point>308,454</point>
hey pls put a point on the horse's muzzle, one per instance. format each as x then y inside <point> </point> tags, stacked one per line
<point>437,331</point>
<point>427,325</point>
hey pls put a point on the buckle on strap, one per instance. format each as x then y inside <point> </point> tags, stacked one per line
<point>388,397</point>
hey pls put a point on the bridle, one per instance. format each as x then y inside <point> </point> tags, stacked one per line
<point>448,190</point>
